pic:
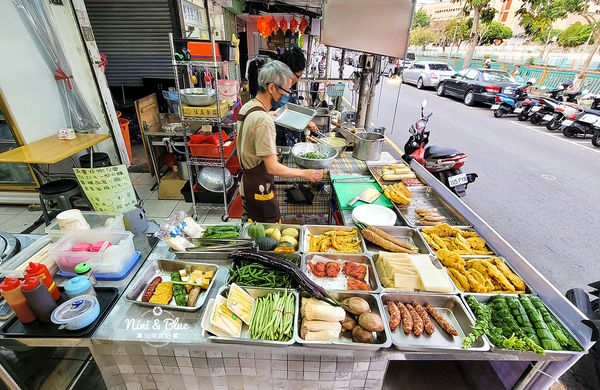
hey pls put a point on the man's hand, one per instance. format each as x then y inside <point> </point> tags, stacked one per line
<point>312,127</point>
<point>312,175</point>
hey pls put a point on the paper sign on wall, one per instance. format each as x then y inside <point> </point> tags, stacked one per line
<point>109,189</point>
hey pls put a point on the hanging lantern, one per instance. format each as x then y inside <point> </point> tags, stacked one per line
<point>283,24</point>
<point>294,25</point>
<point>262,26</point>
<point>303,25</point>
<point>273,25</point>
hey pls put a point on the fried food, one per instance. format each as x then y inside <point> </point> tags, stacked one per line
<point>460,280</point>
<point>510,275</point>
<point>355,284</point>
<point>318,269</point>
<point>455,240</point>
<point>495,273</point>
<point>476,242</point>
<point>344,241</point>
<point>442,230</point>
<point>451,259</point>
<point>332,269</point>
<point>475,285</point>
<point>358,271</point>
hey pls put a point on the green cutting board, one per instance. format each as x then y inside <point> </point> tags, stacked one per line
<point>347,191</point>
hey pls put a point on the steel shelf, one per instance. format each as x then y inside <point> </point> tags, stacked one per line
<point>209,161</point>
<point>209,64</point>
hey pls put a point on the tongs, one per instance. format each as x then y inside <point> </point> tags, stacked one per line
<point>220,244</point>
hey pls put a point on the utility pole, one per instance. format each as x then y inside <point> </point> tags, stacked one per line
<point>453,39</point>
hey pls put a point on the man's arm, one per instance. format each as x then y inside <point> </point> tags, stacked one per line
<point>275,168</point>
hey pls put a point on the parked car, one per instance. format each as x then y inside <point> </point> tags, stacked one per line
<point>426,73</point>
<point>477,85</point>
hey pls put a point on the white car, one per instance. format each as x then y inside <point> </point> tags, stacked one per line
<point>426,73</point>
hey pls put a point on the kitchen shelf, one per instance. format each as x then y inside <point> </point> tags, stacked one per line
<point>208,161</point>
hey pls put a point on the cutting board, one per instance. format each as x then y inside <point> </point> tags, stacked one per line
<point>347,191</point>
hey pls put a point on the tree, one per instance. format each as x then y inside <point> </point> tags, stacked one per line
<point>494,31</point>
<point>477,6</point>
<point>422,36</point>
<point>420,19</point>
<point>537,16</point>
<point>463,30</point>
<point>577,34</point>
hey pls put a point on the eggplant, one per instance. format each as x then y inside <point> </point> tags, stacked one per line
<point>294,271</point>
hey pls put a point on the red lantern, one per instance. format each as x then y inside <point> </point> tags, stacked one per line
<point>262,26</point>
<point>294,25</point>
<point>283,24</point>
<point>303,25</point>
<point>273,24</point>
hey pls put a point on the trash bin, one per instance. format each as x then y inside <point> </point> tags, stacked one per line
<point>124,123</point>
<point>101,159</point>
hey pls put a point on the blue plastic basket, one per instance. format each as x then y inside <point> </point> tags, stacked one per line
<point>336,89</point>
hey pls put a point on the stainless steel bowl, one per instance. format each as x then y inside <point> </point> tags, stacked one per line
<point>331,138</point>
<point>198,96</point>
<point>211,178</point>
<point>304,147</point>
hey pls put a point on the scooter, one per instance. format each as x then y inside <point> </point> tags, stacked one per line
<point>565,110</point>
<point>443,163</point>
<point>547,105</point>
<point>525,109</point>
<point>507,103</point>
<point>584,123</point>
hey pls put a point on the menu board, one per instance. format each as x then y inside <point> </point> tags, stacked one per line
<point>109,189</point>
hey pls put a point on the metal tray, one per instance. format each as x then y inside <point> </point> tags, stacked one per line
<point>255,292</point>
<point>407,234</point>
<point>528,289</point>
<point>281,226</point>
<point>320,229</point>
<point>360,259</point>
<point>164,268</point>
<point>436,262</point>
<point>294,117</point>
<point>376,172</point>
<point>467,229</point>
<point>527,355</point>
<point>427,198</point>
<point>451,307</point>
<point>383,339</point>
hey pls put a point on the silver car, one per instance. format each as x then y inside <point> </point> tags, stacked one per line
<point>426,73</point>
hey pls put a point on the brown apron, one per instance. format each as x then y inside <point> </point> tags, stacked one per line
<point>259,186</point>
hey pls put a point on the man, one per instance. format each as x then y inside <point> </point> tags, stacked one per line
<point>257,150</point>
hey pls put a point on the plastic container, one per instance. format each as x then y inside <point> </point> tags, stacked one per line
<point>79,285</point>
<point>112,260</point>
<point>97,221</point>
<point>84,269</point>
<point>124,125</point>
<point>10,289</point>
<point>76,313</point>
<point>41,271</point>
<point>209,150</point>
<point>228,89</point>
<point>38,298</point>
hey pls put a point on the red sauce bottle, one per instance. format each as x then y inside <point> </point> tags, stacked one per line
<point>10,289</point>
<point>41,271</point>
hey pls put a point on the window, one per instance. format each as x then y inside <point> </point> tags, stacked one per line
<point>439,67</point>
<point>497,76</point>
<point>472,74</point>
<point>419,66</point>
<point>462,73</point>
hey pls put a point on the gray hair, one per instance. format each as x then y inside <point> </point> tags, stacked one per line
<point>274,72</point>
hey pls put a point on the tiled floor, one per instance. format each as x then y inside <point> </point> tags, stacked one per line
<point>16,218</point>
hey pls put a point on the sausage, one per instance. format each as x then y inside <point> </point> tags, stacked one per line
<point>394,315</point>
<point>426,211</point>
<point>429,223</point>
<point>417,320</point>
<point>427,324</point>
<point>441,320</point>
<point>193,296</point>
<point>407,321</point>
<point>150,289</point>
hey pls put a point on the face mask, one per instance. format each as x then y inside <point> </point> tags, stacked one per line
<point>277,104</point>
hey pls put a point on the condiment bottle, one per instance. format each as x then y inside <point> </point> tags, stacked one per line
<point>10,289</point>
<point>41,271</point>
<point>38,297</point>
<point>84,269</point>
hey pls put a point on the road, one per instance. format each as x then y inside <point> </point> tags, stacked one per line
<point>536,189</point>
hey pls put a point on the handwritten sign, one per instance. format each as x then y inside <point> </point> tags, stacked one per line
<point>109,189</point>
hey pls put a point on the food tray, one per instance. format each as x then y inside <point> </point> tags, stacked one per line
<point>436,262</point>
<point>281,226</point>
<point>383,339</point>
<point>467,229</point>
<point>255,292</point>
<point>407,234</point>
<point>376,172</point>
<point>320,229</point>
<point>14,328</point>
<point>365,259</point>
<point>14,267</point>
<point>294,117</point>
<point>427,198</point>
<point>451,307</point>
<point>528,289</point>
<point>164,268</point>
<point>527,355</point>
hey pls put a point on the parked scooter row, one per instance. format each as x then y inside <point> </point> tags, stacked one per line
<point>558,111</point>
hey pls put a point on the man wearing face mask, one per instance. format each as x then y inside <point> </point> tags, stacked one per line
<point>294,58</point>
<point>257,150</point>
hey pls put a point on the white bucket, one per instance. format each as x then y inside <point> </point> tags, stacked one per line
<point>71,220</point>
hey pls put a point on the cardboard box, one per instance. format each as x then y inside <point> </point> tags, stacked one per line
<point>170,186</point>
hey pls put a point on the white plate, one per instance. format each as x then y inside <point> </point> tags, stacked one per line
<point>373,214</point>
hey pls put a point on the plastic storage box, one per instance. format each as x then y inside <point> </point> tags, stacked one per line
<point>112,260</point>
<point>95,220</point>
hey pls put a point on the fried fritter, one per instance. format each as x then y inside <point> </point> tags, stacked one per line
<point>479,277</point>
<point>459,279</point>
<point>442,230</point>
<point>489,281</point>
<point>475,285</point>
<point>476,242</point>
<point>510,275</point>
<point>461,242</point>
<point>495,273</point>
<point>450,259</point>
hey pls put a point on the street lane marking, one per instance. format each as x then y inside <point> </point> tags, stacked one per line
<point>555,136</point>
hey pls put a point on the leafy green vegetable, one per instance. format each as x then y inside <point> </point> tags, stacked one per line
<point>178,290</point>
<point>313,156</point>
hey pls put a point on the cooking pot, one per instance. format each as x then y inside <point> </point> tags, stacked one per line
<point>367,146</point>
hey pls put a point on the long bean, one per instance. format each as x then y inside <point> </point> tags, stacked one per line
<point>273,317</point>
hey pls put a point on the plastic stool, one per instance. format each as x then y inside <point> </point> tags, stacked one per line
<point>101,159</point>
<point>60,191</point>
